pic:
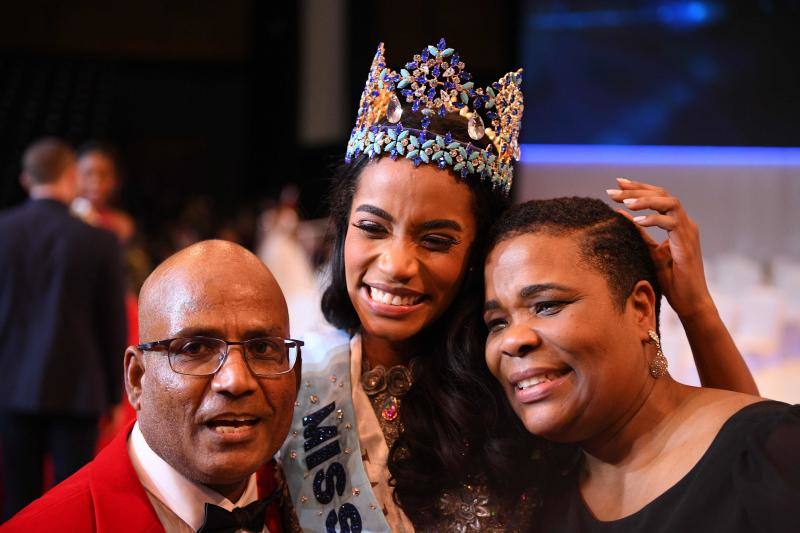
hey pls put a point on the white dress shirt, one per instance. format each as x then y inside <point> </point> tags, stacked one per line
<point>178,502</point>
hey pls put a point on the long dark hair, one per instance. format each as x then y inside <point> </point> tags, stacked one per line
<point>452,401</point>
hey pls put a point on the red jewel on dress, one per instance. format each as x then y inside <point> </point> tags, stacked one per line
<point>390,409</point>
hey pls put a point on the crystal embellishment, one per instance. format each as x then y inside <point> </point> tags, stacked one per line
<point>475,127</point>
<point>436,83</point>
<point>391,408</point>
<point>395,110</point>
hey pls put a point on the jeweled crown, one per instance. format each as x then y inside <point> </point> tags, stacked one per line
<point>436,82</point>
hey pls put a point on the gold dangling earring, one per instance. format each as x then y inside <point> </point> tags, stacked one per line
<point>659,364</point>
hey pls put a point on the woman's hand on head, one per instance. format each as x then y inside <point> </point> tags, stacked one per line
<point>678,260</point>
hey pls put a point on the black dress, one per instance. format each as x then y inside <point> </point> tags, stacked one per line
<point>747,481</point>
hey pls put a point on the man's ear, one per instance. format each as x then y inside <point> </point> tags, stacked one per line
<point>643,302</point>
<point>134,372</point>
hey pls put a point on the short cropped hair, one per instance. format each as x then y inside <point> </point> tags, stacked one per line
<point>46,159</point>
<point>608,242</point>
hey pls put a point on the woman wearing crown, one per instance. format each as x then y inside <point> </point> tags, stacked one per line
<point>390,415</point>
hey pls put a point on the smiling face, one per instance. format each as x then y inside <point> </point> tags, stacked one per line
<point>570,361</point>
<point>407,244</point>
<point>218,429</point>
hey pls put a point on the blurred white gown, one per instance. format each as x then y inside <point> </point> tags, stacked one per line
<point>289,263</point>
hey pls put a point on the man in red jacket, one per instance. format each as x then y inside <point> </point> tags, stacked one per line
<point>213,385</point>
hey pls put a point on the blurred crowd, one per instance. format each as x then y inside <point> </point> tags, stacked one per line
<point>760,304</point>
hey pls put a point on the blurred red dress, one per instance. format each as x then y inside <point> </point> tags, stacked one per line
<point>123,414</point>
<point>121,224</point>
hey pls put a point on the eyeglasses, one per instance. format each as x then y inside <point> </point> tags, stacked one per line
<point>204,356</point>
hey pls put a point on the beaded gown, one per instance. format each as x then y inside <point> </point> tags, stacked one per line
<point>377,398</point>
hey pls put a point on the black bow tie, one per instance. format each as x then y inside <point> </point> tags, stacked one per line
<point>249,518</point>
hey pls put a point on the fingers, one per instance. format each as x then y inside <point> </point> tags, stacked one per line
<point>639,196</point>
<point>664,222</point>
<point>626,184</point>
<point>619,195</point>
<point>635,189</point>
<point>661,204</point>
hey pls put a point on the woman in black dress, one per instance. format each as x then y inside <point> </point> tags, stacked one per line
<point>572,300</point>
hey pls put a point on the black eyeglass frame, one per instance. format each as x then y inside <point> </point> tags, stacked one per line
<point>291,343</point>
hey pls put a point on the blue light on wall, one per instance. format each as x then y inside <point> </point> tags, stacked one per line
<point>677,15</point>
<point>579,154</point>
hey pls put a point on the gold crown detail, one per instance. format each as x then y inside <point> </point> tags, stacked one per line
<point>435,82</point>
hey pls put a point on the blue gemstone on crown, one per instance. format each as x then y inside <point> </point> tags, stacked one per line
<point>436,82</point>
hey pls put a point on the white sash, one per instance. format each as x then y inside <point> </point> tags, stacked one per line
<point>322,455</point>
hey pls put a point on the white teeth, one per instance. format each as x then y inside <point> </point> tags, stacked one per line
<point>230,429</point>
<point>541,378</point>
<point>391,299</point>
<point>530,382</point>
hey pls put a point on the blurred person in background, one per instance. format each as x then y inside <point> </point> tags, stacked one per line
<point>280,248</point>
<point>98,183</point>
<point>62,327</point>
<point>99,178</point>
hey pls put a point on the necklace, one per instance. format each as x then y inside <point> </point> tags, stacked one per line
<point>385,389</point>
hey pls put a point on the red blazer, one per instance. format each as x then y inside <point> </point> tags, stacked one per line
<point>106,496</point>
